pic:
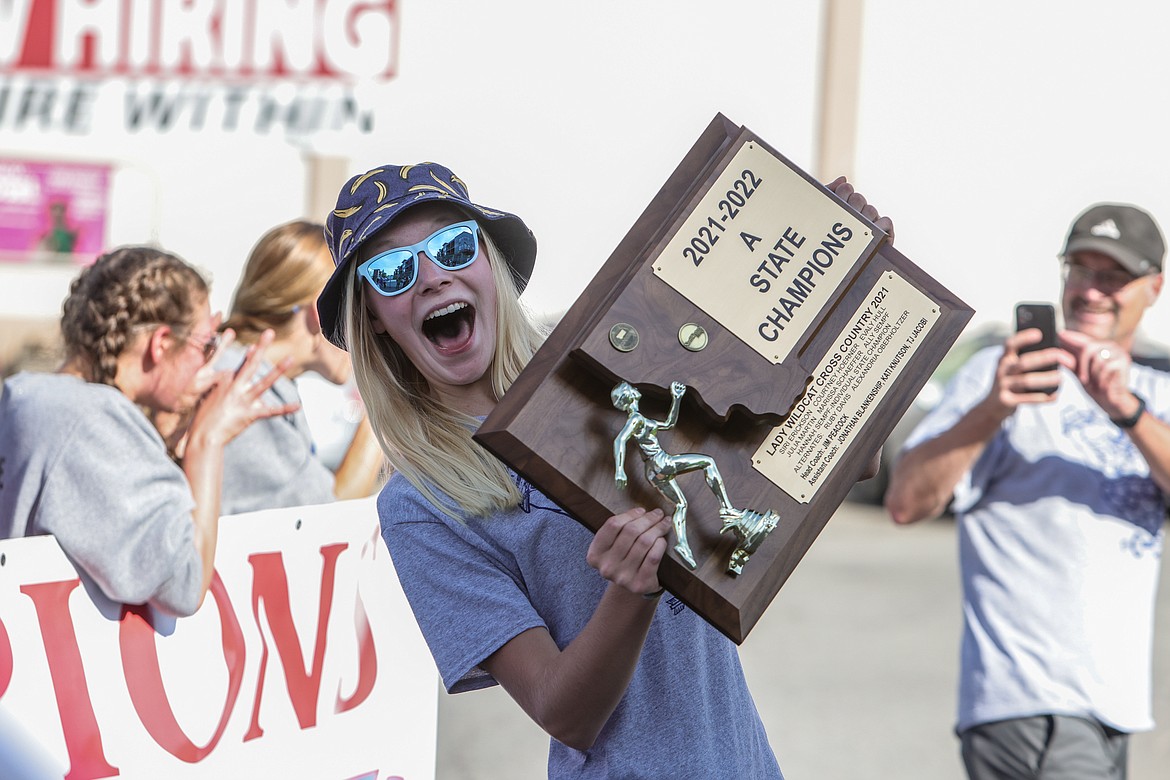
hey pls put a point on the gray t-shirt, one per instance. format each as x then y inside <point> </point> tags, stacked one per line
<point>1060,542</point>
<point>80,461</point>
<point>474,586</point>
<point>272,463</point>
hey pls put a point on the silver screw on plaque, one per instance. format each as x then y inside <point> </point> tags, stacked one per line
<point>693,337</point>
<point>623,337</point>
<point>662,469</point>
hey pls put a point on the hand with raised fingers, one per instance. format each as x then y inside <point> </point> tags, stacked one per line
<point>1103,370</point>
<point>627,549</point>
<point>234,400</point>
<point>846,192</point>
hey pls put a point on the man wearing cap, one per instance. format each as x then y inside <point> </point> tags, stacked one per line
<point>1060,500</point>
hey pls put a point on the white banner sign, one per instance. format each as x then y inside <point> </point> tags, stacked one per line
<point>304,661</point>
<point>211,39</point>
<point>84,66</point>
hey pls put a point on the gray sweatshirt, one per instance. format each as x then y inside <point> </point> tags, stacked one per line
<point>273,462</point>
<point>80,461</point>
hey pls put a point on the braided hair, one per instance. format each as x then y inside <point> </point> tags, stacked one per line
<point>126,288</point>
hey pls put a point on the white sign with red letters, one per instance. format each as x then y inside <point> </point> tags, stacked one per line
<point>304,661</point>
<point>83,66</point>
<point>233,39</point>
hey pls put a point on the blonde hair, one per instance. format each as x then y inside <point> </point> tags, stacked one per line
<point>428,442</point>
<point>286,269</point>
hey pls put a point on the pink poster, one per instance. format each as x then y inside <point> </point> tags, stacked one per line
<point>52,211</point>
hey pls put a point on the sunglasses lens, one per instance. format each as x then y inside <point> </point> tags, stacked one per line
<point>395,270</point>
<point>454,247</point>
<point>211,346</point>
<point>392,272</point>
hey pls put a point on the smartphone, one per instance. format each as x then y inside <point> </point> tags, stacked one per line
<point>1042,316</point>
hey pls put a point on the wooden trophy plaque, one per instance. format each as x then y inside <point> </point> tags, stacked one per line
<point>801,335</point>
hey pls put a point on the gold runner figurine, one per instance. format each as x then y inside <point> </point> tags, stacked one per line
<point>662,469</point>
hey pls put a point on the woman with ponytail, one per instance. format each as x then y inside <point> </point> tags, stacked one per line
<point>275,463</point>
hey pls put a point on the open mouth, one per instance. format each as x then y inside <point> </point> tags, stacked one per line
<point>450,328</point>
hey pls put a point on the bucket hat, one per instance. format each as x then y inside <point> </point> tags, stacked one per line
<point>372,200</point>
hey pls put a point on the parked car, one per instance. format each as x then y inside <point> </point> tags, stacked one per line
<point>871,491</point>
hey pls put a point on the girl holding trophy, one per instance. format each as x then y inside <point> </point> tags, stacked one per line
<point>506,587</point>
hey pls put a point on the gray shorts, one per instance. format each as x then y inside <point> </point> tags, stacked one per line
<point>1046,747</point>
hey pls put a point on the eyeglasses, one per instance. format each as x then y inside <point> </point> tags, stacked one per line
<point>395,271</point>
<point>1108,281</point>
<point>209,345</point>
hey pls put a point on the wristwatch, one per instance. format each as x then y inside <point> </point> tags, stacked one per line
<point>1129,422</point>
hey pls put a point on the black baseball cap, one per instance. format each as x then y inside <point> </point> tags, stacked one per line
<point>1126,233</point>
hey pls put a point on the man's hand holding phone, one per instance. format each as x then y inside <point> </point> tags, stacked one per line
<point>1029,369</point>
<point>1036,332</point>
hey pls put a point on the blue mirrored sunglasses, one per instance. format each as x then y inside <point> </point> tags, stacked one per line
<point>395,271</point>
